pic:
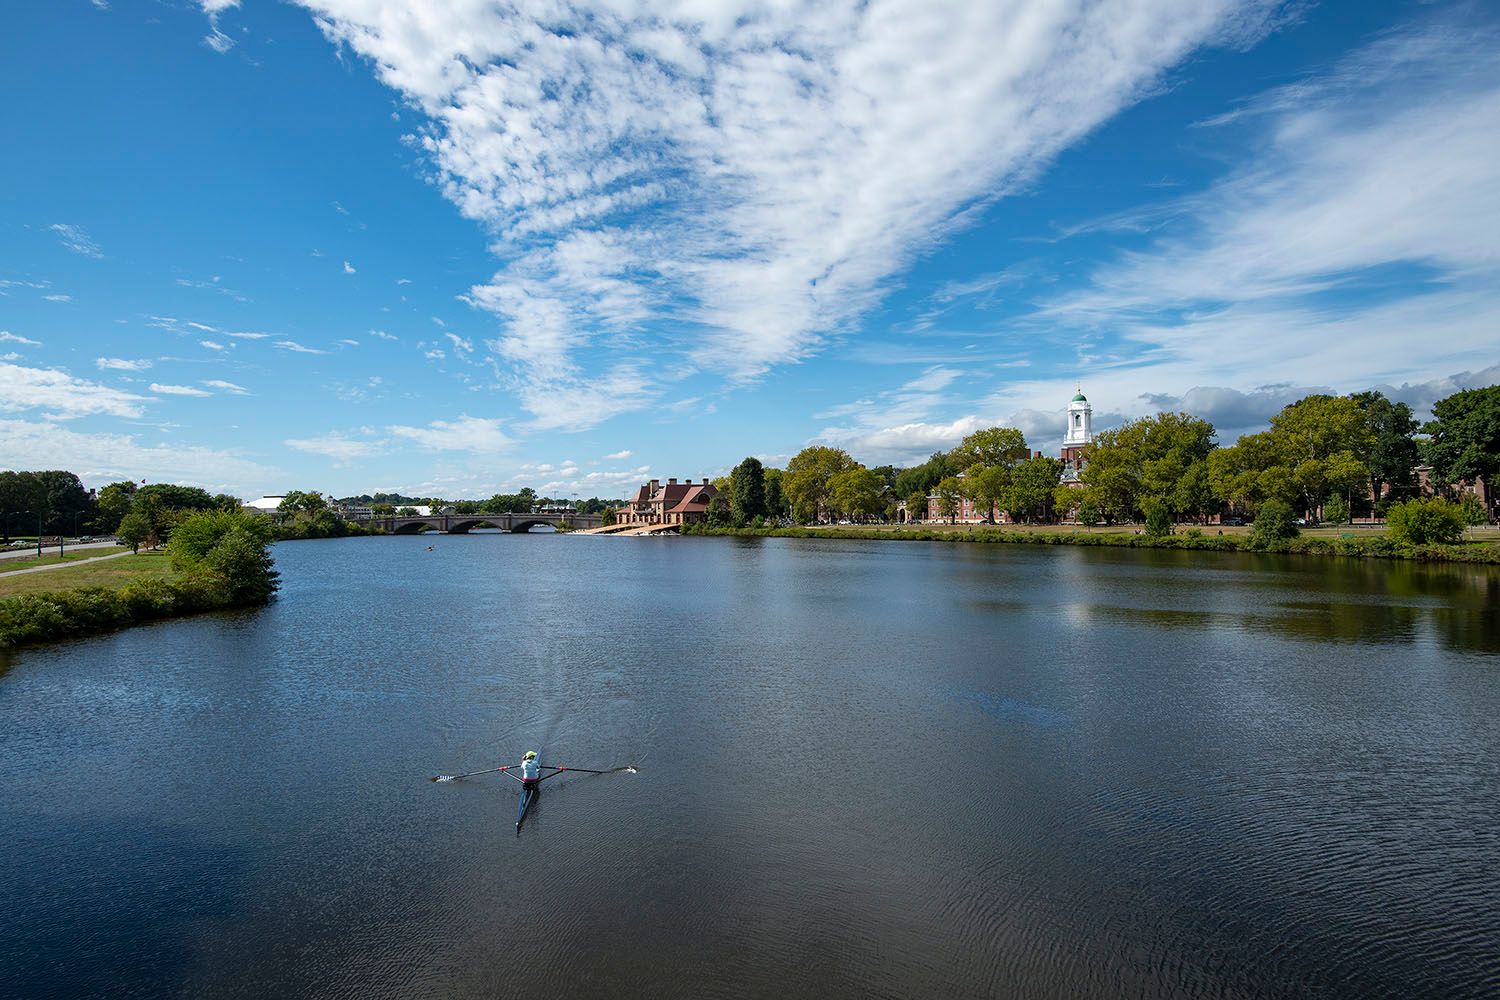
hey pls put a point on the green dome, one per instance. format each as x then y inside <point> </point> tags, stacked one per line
<point>1080,398</point>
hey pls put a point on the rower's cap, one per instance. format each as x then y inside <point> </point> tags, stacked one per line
<point>529,754</point>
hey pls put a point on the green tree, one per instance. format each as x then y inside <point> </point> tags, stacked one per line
<point>1316,426</point>
<point>1471,512</point>
<point>916,506</point>
<point>807,477</point>
<point>1033,485</point>
<point>1424,521</point>
<point>991,446</point>
<point>114,502</point>
<point>949,492</point>
<point>776,502</point>
<point>1464,438</point>
<point>1336,510</point>
<point>1158,519</point>
<point>299,502</point>
<point>133,529</point>
<point>229,548</point>
<point>747,491</point>
<point>719,514</point>
<point>923,478</point>
<point>1161,458</point>
<point>857,493</point>
<point>988,487</point>
<point>1273,523</point>
<point>1394,454</point>
<point>173,497</point>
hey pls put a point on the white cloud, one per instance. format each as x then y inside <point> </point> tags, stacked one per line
<point>58,298</point>
<point>336,446</point>
<point>296,348</point>
<point>349,343</point>
<point>901,443</point>
<point>15,338</point>
<point>461,344</point>
<point>122,364</point>
<point>229,387</point>
<point>473,434</point>
<point>101,458</point>
<point>403,281</point>
<point>212,345</point>
<point>619,456</point>
<point>61,395</point>
<point>348,267</point>
<point>383,335</point>
<point>1382,176</point>
<point>752,173</point>
<point>76,240</point>
<point>248,336</point>
<point>216,39</point>
<point>178,390</point>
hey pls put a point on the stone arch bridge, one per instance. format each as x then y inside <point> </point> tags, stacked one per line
<point>458,524</point>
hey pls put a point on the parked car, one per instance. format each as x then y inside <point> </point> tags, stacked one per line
<point>1237,522</point>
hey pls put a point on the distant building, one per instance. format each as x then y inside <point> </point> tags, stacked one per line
<point>1077,438</point>
<point>674,503</point>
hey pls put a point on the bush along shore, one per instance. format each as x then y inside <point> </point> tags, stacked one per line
<point>221,560</point>
<point>1376,547</point>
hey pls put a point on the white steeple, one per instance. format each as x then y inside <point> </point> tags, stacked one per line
<point>1080,422</point>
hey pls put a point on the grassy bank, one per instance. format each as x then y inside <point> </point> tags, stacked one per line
<point>1348,544</point>
<point>216,560</point>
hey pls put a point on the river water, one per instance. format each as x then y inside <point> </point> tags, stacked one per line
<point>865,769</point>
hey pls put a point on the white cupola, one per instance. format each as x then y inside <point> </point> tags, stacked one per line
<point>1080,422</point>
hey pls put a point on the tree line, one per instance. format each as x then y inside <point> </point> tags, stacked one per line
<point>1324,457</point>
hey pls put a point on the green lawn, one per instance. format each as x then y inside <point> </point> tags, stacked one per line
<point>49,558</point>
<point>111,573</point>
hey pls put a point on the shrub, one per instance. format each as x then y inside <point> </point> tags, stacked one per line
<point>1273,523</point>
<point>1158,521</point>
<point>1422,522</point>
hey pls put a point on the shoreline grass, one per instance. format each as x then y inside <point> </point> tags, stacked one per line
<point>82,555</point>
<point>1361,543</point>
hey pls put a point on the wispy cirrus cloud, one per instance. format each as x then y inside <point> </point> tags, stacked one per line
<point>742,179</point>
<point>178,390</point>
<point>339,447</point>
<point>123,364</point>
<point>229,387</point>
<point>296,348</point>
<point>76,240</point>
<point>15,338</point>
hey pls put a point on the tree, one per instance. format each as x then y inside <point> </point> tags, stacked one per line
<point>776,503</point>
<point>113,503</point>
<point>1273,523</point>
<point>1316,426</point>
<point>857,493</point>
<point>1471,512</point>
<point>298,502</point>
<point>606,517</point>
<point>133,529</point>
<point>1033,486</point>
<point>747,491</point>
<point>1393,455</point>
<point>1464,442</point>
<point>406,512</point>
<point>1336,510</point>
<point>231,549</point>
<point>719,514</point>
<point>922,478</point>
<point>1160,459</point>
<point>988,487</point>
<point>1424,521</point>
<point>172,497</point>
<point>807,477</point>
<point>1158,519</point>
<point>916,506</point>
<point>949,493</point>
<point>991,446</point>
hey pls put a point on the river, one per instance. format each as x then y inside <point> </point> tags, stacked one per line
<point>864,769</point>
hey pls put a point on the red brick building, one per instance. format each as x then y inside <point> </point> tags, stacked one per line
<point>674,503</point>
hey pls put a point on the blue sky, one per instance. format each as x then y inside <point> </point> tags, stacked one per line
<point>453,249</point>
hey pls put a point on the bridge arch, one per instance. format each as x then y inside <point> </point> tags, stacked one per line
<point>520,527</point>
<point>412,528</point>
<point>460,527</point>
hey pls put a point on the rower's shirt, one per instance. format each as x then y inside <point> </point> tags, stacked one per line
<point>530,769</point>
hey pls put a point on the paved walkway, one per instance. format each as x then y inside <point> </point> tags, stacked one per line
<point>65,565</point>
<point>30,550</point>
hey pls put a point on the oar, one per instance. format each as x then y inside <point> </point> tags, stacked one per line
<point>488,770</point>
<point>586,770</point>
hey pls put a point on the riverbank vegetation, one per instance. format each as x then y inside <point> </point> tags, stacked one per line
<point>1324,459</point>
<point>1365,546</point>
<point>216,559</point>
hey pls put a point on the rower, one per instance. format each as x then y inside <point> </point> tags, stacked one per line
<point>530,770</point>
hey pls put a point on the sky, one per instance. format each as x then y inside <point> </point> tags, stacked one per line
<point>455,249</point>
